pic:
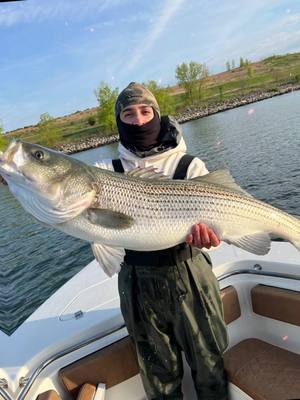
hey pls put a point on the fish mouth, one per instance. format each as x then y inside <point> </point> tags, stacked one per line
<point>9,158</point>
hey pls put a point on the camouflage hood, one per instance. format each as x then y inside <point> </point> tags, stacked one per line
<point>135,93</point>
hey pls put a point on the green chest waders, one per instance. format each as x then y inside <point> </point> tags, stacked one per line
<point>170,301</point>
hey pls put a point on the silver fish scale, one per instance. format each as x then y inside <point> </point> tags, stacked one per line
<point>191,201</point>
<point>160,212</point>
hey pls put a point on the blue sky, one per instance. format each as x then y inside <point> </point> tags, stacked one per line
<point>55,53</point>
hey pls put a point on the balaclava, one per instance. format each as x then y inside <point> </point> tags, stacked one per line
<point>138,138</point>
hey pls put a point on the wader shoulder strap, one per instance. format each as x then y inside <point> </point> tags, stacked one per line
<point>180,172</point>
<point>117,165</point>
<point>182,167</point>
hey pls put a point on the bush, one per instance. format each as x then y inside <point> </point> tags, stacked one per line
<point>91,120</point>
<point>49,134</point>
<point>107,97</point>
<point>297,78</point>
<point>163,97</point>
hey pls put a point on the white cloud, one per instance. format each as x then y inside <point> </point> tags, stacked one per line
<point>100,25</point>
<point>42,10</point>
<point>277,43</point>
<point>146,43</point>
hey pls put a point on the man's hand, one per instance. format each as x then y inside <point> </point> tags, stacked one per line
<point>202,236</point>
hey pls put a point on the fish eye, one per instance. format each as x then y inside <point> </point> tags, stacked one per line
<point>38,154</point>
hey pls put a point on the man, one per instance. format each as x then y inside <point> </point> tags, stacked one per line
<point>170,298</point>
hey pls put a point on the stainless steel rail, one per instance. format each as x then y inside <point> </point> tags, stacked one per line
<point>60,354</point>
<point>255,270</point>
<point>4,394</point>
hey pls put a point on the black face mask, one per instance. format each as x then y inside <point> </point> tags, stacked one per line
<point>140,137</point>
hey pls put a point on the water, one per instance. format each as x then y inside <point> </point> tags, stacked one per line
<point>259,143</point>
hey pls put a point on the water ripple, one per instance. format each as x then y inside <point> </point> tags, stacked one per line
<point>261,150</point>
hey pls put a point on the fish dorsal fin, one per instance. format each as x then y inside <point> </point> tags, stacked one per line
<point>147,173</point>
<point>109,258</point>
<point>222,177</point>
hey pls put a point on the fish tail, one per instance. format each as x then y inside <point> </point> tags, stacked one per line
<point>296,243</point>
<point>296,240</point>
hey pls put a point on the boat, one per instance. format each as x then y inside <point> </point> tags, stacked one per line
<point>76,346</point>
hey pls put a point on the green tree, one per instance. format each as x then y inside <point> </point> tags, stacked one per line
<point>3,140</point>
<point>221,94</point>
<point>107,97</point>
<point>232,64</point>
<point>250,71</point>
<point>48,132</point>
<point>242,62</point>
<point>228,66</point>
<point>192,77</point>
<point>164,98</point>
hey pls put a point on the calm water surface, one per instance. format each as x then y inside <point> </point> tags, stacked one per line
<point>258,143</point>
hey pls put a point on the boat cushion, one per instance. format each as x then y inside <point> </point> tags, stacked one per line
<point>276,303</point>
<point>264,371</point>
<point>111,365</point>
<point>104,366</point>
<point>231,305</point>
<point>87,392</point>
<point>49,395</point>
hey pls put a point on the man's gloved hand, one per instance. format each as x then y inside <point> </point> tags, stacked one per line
<point>202,236</point>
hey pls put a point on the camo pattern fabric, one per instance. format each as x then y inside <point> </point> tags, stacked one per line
<point>169,309</point>
<point>135,93</point>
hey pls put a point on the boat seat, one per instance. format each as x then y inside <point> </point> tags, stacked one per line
<point>276,303</point>
<point>231,305</point>
<point>110,365</point>
<point>264,371</point>
<point>86,392</point>
<point>105,366</point>
<point>49,395</point>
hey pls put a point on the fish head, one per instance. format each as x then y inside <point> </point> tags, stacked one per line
<point>47,179</point>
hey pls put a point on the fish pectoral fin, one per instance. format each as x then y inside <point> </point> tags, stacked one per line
<point>257,243</point>
<point>109,258</point>
<point>109,218</point>
<point>221,177</point>
<point>147,173</point>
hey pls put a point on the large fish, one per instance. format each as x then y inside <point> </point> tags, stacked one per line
<point>139,211</point>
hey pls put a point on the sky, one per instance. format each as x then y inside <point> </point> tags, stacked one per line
<point>55,53</point>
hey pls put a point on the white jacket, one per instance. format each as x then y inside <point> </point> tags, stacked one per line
<point>165,162</point>
<point>110,258</point>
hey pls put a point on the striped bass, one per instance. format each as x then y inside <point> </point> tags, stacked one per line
<point>141,210</point>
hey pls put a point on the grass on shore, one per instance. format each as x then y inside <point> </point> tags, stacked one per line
<point>267,75</point>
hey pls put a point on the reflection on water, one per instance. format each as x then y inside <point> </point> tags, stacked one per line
<point>261,148</point>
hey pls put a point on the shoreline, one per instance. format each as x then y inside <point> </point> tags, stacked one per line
<point>239,101</point>
<point>86,144</point>
<point>191,114</point>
